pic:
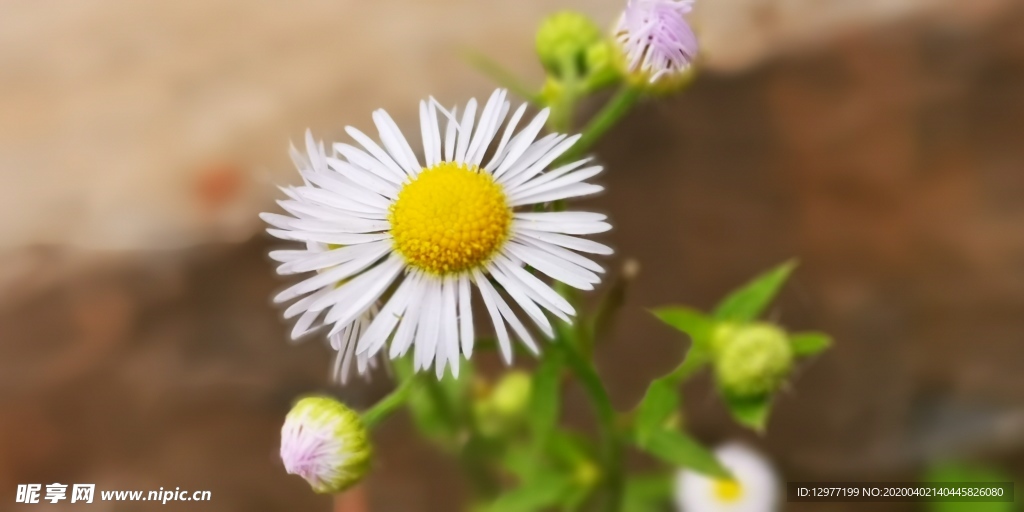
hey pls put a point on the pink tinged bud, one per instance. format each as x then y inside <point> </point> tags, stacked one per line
<point>655,39</point>
<point>326,443</point>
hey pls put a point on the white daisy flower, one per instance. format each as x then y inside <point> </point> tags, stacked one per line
<point>344,340</point>
<point>755,487</point>
<point>418,237</point>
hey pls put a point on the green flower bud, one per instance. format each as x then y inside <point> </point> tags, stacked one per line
<point>751,360</point>
<point>505,405</point>
<point>564,38</point>
<point>512,394</point>
<point>601,66</point>
<point>326,443</point>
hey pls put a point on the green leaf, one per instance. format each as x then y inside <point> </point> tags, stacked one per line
<point>658,404</point>
<point>693,323</point>
<point>647,493</point>
<point>809,343</point>
<point>750,412</point>
<point>748,302</point>
<point>433,405</point>
<point>545,397</point>
<point>540,492</point>
<point>681,450</point>
<point>963,473</point>
<point>570,448</point>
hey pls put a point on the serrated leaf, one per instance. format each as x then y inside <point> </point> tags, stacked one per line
<point>748,302</point>
<point>681,450</point>
<point>809,343</point>
<point>539,493</point>
<point>750,412</point>
<point>693,323</point>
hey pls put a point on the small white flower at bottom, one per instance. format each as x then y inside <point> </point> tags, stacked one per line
<point>755,487</point>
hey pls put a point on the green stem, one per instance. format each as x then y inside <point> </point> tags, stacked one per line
<point>609,115</point>
<point>387,405</point>
<point>606,418</point>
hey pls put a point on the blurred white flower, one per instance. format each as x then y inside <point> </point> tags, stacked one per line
<point>377,225</point>
<point>754,488</point>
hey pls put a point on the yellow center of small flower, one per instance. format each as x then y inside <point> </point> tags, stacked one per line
<point>727,491</point>
<point>450,218</point>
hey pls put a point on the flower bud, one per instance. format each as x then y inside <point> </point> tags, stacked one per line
<point>656,45</point>
<point>505,405</point>
<point>602,70</point>
<point>326,443</point>
<point>751,360</point>
<point>564,38</point>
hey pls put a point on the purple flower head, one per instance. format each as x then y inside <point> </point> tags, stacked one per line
<point>655,37</point>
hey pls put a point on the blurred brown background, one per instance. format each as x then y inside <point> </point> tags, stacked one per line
<point>881,142</point>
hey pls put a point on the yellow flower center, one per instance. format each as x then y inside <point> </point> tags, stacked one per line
<point>450,218</point>
<point>727,491</point>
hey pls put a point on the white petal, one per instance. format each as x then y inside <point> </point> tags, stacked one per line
<point>537,289</point>
<point>431,135</point>
<point>514,179</point>
<point>568,228</point>
<point>331,276</point>
<point>342,203</point>
<point>384,323</point>
<point>375,150</point>
<point>364,178</point>
<point>551,175</point>
<point>561,216</point>
<point>426,336</point>
<point>450,135</point>
<point>465,130</point>
<point>449,325</point>
<point>536,186</point>
<point>569,242</point>
<point>395,142</point>
<point>485,128</point>
<point>364,291</point>
<point>576,190</point>
<point>490,296</point>
<point>466,316</point>
<point>344,186</point>
<point>410,320</point>
<point>329,238</point>
<point>302,305</point>
<point>360,158</point>
<point>555,268</point>
<point>521,142</point>
<point>499,153</point>
<point>518,294</point>
<point>324,259</point>
<point>517,326</point>
<point>534,152</point>
<point>559,252</point>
